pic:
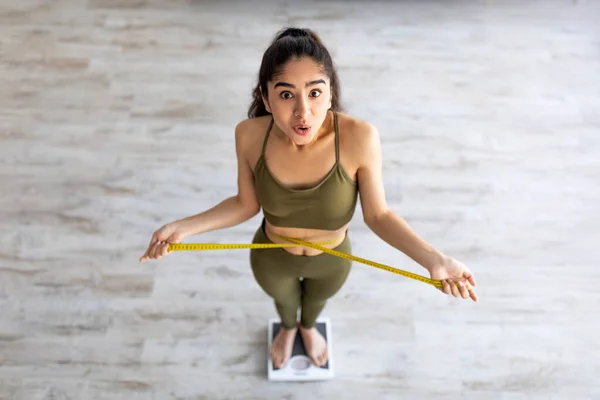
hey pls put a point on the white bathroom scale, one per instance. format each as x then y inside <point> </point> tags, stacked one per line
<point>300,367</point>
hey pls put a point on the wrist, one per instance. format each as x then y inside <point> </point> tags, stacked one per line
<point>434,260</point>
<point>182,227</point>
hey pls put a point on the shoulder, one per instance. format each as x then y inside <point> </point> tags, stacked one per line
<point>250,131</point>
<point>249,137</point>
<point>252,127</point>
<point>359,137</point>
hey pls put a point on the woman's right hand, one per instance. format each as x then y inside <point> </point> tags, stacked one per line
<point>159,244</point>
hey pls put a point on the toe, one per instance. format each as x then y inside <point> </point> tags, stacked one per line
<point>275,359</point>
<point>324,356</point>
<point>315,359</point>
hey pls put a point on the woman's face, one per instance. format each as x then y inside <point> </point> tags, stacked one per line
<point>299,98</point>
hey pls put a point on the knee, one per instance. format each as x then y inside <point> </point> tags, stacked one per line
<point>283,294</point>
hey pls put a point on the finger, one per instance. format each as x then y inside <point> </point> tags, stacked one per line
<point>159,249</point>
<point>146,255</point>
<point>455,290</point>
<point>470,277</point>
<point>151,251</point>
<point>446,287</point>
<point>473,295</point>
<point>154,250</point>
<point>462,287</point>
<point>153,239</point>
<point>163,250</point>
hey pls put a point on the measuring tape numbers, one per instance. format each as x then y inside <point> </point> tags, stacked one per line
<point>295,243</point>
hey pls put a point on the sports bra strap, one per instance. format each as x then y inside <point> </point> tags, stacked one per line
<point>267,136</point>
<point>337,138</point>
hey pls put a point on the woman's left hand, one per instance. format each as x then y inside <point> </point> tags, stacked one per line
<point>456,278</point>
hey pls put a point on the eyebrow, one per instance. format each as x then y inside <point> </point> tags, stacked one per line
<point>311,83</point>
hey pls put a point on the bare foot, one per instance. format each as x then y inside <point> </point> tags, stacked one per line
<point>315,345</point>
<point>281,348</point>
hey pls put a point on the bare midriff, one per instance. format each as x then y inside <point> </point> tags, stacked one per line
<point>308,235</point>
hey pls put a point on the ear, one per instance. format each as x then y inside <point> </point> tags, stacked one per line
<point>265,100</point>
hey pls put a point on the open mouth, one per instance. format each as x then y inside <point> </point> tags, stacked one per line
<point>302,130</point>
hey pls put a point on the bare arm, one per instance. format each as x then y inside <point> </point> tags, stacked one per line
<point>382,220</point>
<point>456,278</point>
<point>233,210</point>
<point>229,212</point>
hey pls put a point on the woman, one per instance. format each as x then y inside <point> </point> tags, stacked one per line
<point>304,163</point>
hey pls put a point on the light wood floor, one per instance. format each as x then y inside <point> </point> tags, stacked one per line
<point>117,116</point>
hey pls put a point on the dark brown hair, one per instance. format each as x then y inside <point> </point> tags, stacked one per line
<point>289,43</point>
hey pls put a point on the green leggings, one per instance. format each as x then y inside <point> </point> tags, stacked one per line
<point>279,274</point>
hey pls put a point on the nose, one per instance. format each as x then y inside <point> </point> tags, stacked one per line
<point>302,108</point>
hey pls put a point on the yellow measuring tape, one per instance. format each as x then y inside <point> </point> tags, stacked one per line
<point>295,243</point>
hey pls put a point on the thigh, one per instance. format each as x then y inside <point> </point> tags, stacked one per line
<point>327,273</point>
<point>273,277</point>
<point>323,286</point>
<point>274,271</point>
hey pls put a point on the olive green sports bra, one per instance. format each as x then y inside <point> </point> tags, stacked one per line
<point>329,205</point>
